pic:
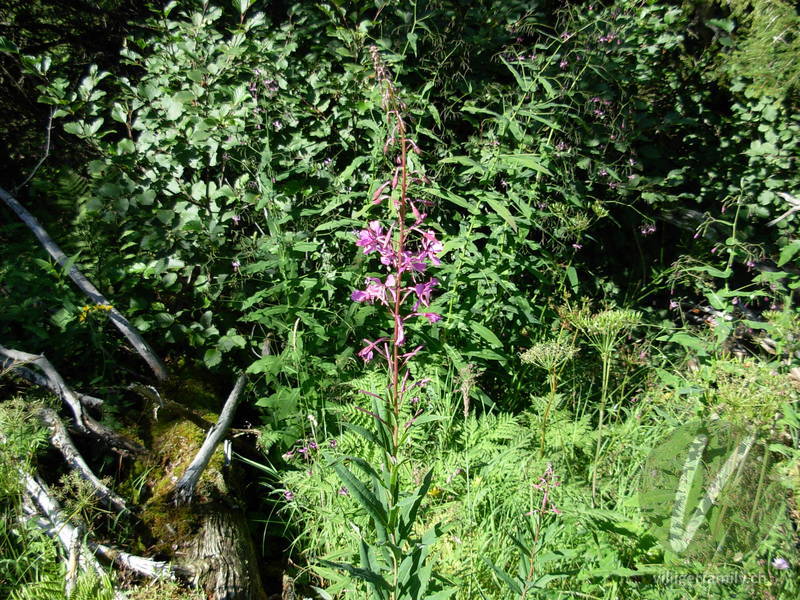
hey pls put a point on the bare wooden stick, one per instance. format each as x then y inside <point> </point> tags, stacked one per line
<point>7,364</point>
<point>72,562</point>
<point>38,500</point>
<point>83,421</point>
<point>184,489</point>
<point>86,286</point>
<point>46,513</point>
<point>62,441</point>
<point>44,156</point>
<point>146,567</point>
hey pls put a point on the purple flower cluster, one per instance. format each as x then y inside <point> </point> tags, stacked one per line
<point>399,258</point>
<point>648,229</point>
<point>306,451</point>
<point>608,38</point>
<point>547,483</point>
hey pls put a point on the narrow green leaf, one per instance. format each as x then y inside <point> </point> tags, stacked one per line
<point>500,208</point>
<point>529,161</point>
<point>512,585</point>
<point>364,496</point>
<point>572,275</point>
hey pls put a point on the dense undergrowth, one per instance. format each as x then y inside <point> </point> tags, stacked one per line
<point>615,187</point>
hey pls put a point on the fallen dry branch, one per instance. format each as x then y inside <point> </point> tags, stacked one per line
<point>144,567</point>
<point>150,393</point>
<point>142,347</point>
<point>38,502</point>
<point>7,364</point>
<point>61,440</point>
<point>46,513</point>
<point>83,421</point>
<point>184,489</point>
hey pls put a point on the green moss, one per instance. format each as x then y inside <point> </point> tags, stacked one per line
<point>175,444</point>
<point>187,386</point>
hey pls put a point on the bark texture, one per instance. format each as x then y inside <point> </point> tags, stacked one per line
<point>223,558</point>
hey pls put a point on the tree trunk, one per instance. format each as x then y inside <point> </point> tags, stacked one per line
<point>223,558</point>
<point>208,535</point>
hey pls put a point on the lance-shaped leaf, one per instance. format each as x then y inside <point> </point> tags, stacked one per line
<point>362,494</point>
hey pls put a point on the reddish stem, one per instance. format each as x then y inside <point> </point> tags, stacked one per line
<point>401,240</point>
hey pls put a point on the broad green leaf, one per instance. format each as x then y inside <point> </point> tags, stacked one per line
<point>266,364</point>
<point>788,252</point>
<point>486,334</point>
<point>212,357</point>
<point>686,340</point>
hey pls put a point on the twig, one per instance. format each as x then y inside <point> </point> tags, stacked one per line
<point>86,286</point>
<point>184,489</point>
<point>794,206</point>
<point>44,157</point>
<point>146,567</point>
<point>38,500</point>
<point>46,513</point>
<point>7,364</point>
<point>82,420</point>
<point>150,393</point>
<point>62,441</point>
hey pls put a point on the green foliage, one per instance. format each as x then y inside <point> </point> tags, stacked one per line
<point>762,45</point>
<point>638,155</point>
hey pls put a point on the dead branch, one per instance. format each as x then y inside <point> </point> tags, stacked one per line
<point>86,286</point>
<point>83,421</point>
<point>184,489</point>
<point>150,393</point>
<point>37,500</point>
<point>44,156</point>
<point>145,567</point>
<point>7,364</point>
<point>61,440</point>
<point>72,562</point>
<point>46,513</point>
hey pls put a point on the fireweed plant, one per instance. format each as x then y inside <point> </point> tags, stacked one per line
<point>539,527</point>
<point>395,562</point>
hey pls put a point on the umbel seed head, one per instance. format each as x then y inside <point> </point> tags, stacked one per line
<point>549,355</point>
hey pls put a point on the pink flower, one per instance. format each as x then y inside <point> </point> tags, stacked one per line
<point>376,290</point>
<point>432,317</point>
<point>368,351</point>
<point>780,563</point>
<point>377,196</point>
<point>373,238</point>
<point>400,330</point>
<point>423,291</point>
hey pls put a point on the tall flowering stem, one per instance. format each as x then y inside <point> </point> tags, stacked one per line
<point>395,559</point>
<point>405,249</point>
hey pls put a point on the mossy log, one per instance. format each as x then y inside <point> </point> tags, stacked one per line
<point>208,536</point>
